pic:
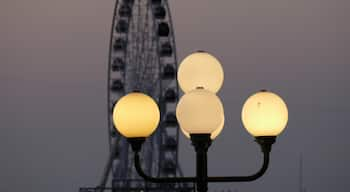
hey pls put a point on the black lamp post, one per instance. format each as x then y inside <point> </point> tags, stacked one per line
<point>201,143</point>
<point>200,115</point>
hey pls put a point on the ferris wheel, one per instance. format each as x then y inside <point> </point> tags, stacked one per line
<point>142,57</point>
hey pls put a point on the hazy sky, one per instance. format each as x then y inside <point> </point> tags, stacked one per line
<point>53,67</point>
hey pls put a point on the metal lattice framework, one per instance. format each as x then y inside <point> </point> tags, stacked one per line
<point>143,57</point>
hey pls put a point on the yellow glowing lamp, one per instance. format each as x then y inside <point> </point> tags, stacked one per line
<point>200,69</point>
<point>200,112</point>
<point>264,114</point>
<point>136,115</point>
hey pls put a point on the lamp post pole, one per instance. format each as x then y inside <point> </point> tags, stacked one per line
<point>201,143</point>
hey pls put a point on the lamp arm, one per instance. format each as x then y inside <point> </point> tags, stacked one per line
<point>245,178</point>
<point>159,180</point>
<point>265,143</point>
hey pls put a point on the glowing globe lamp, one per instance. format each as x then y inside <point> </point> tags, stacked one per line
<point>200,69</point>
<point>200,112</point>
<point>264,114</point>
<point>136,115</point>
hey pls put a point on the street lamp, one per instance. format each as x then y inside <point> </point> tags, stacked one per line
<point>200,114</point>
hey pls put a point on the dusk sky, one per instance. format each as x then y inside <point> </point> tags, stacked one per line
<point>53,76</point>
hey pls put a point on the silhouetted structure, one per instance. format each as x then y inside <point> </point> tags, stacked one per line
<point>143,57</point>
